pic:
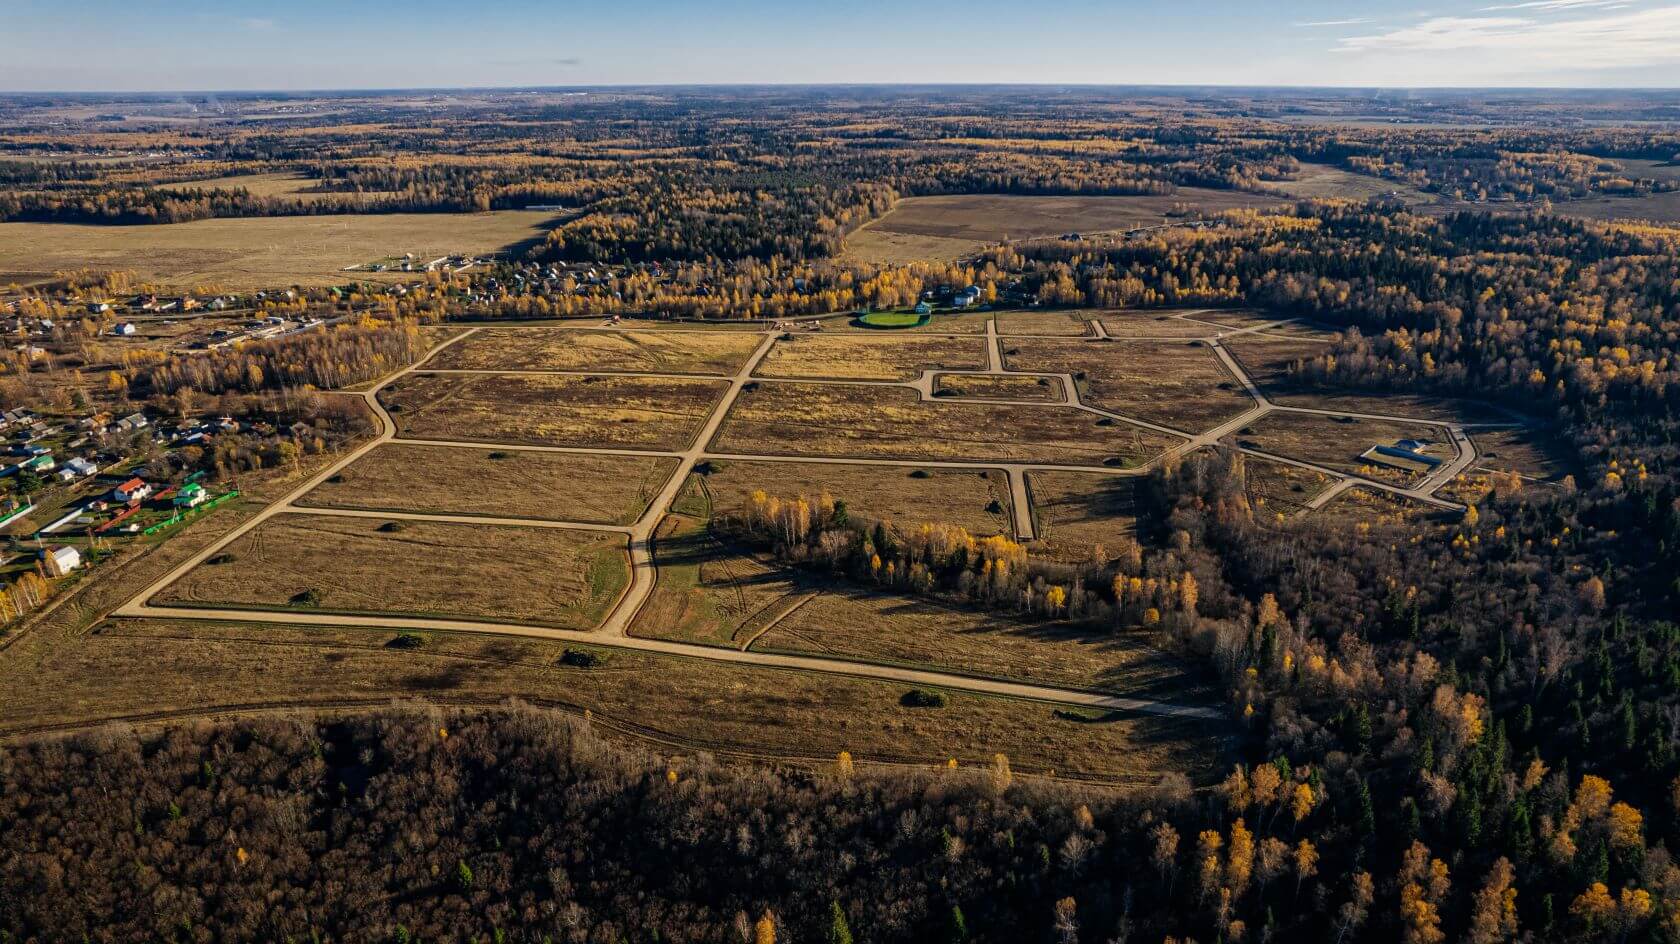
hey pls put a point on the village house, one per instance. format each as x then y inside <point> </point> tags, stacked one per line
<point>191,495</point>
<point>60,561</point>
<point>133,490</point>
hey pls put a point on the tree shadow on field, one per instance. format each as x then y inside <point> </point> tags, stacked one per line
<point>441,680</point>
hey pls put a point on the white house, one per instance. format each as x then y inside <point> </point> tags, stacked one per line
<point>77,468</point>
<point>132,490</point>
<point>61,560</point>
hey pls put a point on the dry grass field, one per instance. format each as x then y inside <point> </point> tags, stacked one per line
<point>1269,358</point>
<point>1278,489</point>
<point>656,413</point>
<point>890,423</point>
<point>904,495</point>
<point>999,387</point>
<point>1076,511</point>
<point>140,669</point>
<point>1337,442</point>
<point>241,254</point>
<point>1153,324</point>
<point>1654,207</point>
<point>1177,384</point>
<point>1534,453</point>
<point>858,624</point>
<point>364,565</point>
<point>948,227</point>
<point>1327,182</point>
<point>287,186</point>
<point>1371,506</point>
<point>710,591</point>
<point>870,357</point>
<point>501,483</point>
<point>1060,323</point>
<point>550,348</point>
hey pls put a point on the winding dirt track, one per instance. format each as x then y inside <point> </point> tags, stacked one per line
<point>613,631</point>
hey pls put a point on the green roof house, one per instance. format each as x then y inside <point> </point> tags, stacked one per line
<point>190,495</point>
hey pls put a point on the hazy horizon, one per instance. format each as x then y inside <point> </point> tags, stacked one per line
<point>315,46</point>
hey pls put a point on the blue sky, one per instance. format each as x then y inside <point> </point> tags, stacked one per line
<point>92,45</point>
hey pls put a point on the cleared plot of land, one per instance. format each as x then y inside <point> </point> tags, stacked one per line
<point>285,186</point>
<point>363,565</point>
<point>1061,323</point>
<point>875,627</point>
<point>1370,506</point>
<point>999,387</point>
<point>1338,442</point>
<point>1327,182</point>
<point>240,254</point>
<point>672,352</point>
<point>1182,385</point>
<point>891,423</point>
<point>905,495</point>
<point>710,590</point>
<point>1278,489</point>
<point>1656,207</point>
<point>870,357</point>
<point>1532,452</point>
<point>1076,511</point>
<point>134,668</point>
<point>1153,324</point>
<point>1440,409</point>
<point>948,227</point>
<point>1269,360</point>
<point>503,483</point>
<point>659,413</point>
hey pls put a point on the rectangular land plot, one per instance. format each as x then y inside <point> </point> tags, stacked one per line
<point>999,387</point>
<point>653,413</point>
<point>1270,360</point>
<point>413,568</point>
<point>710,590</point>
<point>498,483</point>
<point>1339,442</point>
<point>1155,324</point>
<point>877,627</point>
<point>964,322</point>
<point>1177,384</point>
<point>795,419</point>
<point>870,357</point>
<point>1065,324</point>
<point>1076,511</point>
<point>977,500</point>
<point>1534,453</point>
<point>1275,488</point>
<point>552,348</point>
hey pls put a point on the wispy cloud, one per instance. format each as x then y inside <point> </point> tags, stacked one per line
<point>1546,5</point>
<point>1601,40</point>
<point>1353,22</point>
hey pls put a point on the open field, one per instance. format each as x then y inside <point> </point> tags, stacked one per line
<point>657,413</point>
<point>890,423</point>
<point>238,254</point>
<point>1327,182</point>
<point>1269,359</point>
<point>999,387</point>
<point>870,357</point>
<point>1278,489</point>
<point>1418,406</point>
<point>949,227</point>
<point>904,495</point>
<point>138,669</point>
<point>710,590</point>
<point>1061,323</point>
<point>1177,384</point>
<point>284,186</point>
<point>1153,324</point>
<point>501,483</point>
<point>1370,506</point>
<point>859,624</point>
<point>1337,442</point>
<point>1654,207</point>
<point>548,348</point>
<point>1534,453</point>
<point>445,570</point>
<point>1076,511</point>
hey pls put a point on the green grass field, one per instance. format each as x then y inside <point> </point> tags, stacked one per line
<point>893,319</point>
